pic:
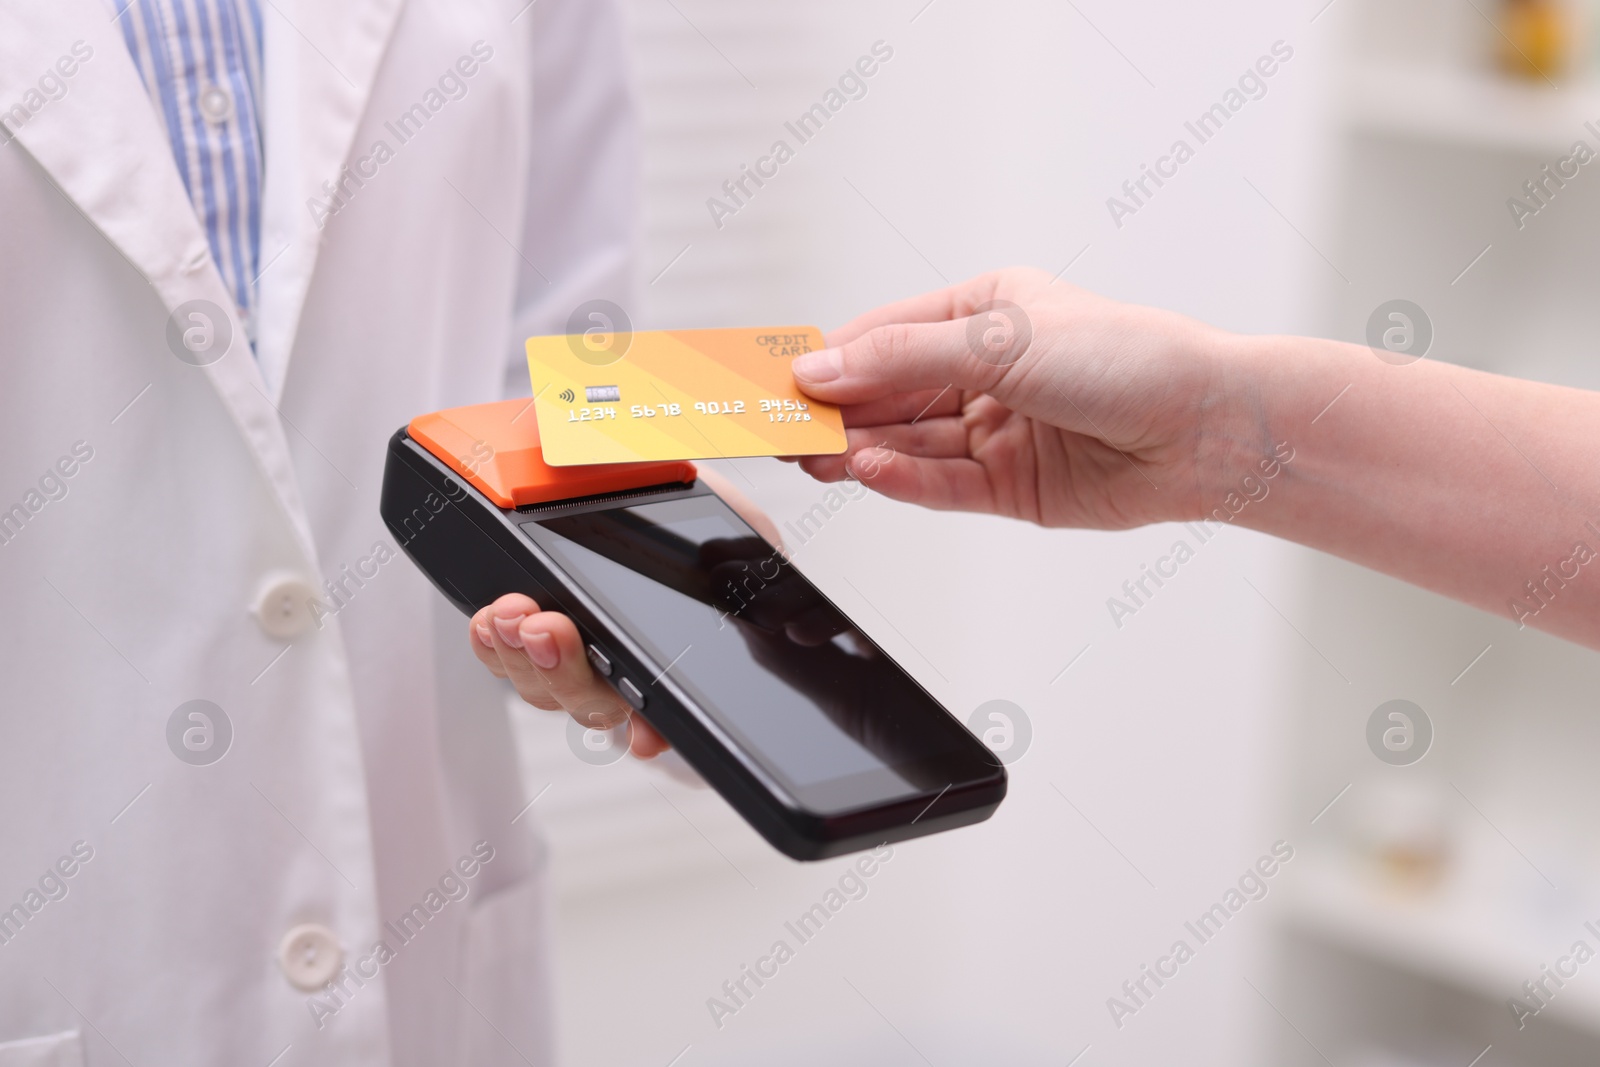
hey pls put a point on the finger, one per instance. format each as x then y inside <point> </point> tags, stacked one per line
<point>542,656</point>
<point>945,484</point>
<point>553,651</point>
<point>511,608</point>
<point>952,302</point>
<point>942,438</point>
<point>901,358</point>
<point>549,669</point>
<point>515,666</point>
<point>643,741</point>
<point>904,407</point>
<point>481,638</point>
<point>826,468</point>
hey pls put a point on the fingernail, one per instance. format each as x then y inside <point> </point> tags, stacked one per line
<point>865,464</point>
<point>508,629</point>
<point>821,366</point>
<point>484,635</point>
<point>541,648</point>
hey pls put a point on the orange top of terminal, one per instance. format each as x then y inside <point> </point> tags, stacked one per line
<point>495,447</point>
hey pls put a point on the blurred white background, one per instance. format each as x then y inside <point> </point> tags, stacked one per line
<point>1168,754</point>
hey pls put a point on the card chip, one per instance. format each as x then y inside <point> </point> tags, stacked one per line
<point>600,394</point>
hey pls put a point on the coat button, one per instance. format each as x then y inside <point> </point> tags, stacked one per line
<point>283,605</point>
<point>310,956</point>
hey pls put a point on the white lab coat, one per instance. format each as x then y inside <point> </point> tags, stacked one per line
<point>369,754</point>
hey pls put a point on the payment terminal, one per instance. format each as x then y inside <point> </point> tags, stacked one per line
<point>814,734</point>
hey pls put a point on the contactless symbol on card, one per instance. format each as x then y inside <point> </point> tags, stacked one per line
<point>681,394</point>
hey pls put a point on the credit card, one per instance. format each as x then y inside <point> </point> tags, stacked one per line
<point>677,394</point>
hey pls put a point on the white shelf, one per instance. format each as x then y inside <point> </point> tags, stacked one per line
<point>1453,936</point>
<point>1471,108</point>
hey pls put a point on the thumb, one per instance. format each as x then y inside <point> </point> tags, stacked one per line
<point>973,353</point>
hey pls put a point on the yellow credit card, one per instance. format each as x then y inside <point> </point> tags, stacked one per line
<point>677,394</point>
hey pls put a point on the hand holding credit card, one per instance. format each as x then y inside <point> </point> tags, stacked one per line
<point>604,397</point>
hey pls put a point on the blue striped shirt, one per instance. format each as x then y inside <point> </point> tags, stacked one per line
<point>201,63</point>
